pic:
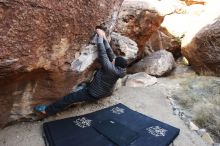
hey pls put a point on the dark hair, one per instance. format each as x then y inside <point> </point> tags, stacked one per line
<point>102,27</point>
<point>121,62</point>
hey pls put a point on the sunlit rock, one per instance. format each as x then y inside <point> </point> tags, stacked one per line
<point>162,41</point>
<point>138,19</point>
<point>157,64</point>
<point>123,46</point>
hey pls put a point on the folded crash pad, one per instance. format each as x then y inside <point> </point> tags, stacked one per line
<point>113,126</point>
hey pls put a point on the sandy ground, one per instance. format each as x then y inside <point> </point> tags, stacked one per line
<point>150,101</point>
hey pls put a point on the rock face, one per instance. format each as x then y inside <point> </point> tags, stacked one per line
<point>196,28</point>
<point>47,34</point>
<point>157,64</point>
<point>85,58</point>
<point>123,46</point>
<point>140,79</point>
<point>162,41</point>
<point>38,41</point>
<point>138,19</point>
<point>203,52</point>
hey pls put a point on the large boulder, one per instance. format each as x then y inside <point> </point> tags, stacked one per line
<point>138,19</point>
<point>201,43</point>
<point>123,46</point>
<point>159,63</point>
<point>203,51</point>
<point>39,41</point>
<point>161,41</point>
<point>196,28</point>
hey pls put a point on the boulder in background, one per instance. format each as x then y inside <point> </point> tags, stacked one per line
<point>138,20</point>
<point>203,52</point>
<point>158,63</point>
<point>161,41</point>
<point>123,46</point>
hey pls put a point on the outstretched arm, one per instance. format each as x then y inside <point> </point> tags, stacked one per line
<point>109,50</point>
<point>102,54</point>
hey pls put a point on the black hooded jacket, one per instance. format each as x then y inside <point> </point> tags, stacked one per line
<point>105,78</point>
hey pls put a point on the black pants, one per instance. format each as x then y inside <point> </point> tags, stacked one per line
<point>78,96</point>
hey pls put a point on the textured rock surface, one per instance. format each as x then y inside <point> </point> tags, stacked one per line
<point>140,79</point>
<point>181,22</point>
<point>201,43</point>
<point>46,34</point>
<point>197,31</point>
<point>203,52</point>
<point>123,46</point>
<point>157,64</point>
<point>85,58</point>
<point>138,19</point>
<point>38,41</point>
<point>162,41</point>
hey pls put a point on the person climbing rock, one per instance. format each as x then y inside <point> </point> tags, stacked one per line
<point>102,85</point>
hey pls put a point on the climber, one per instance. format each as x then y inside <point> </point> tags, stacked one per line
<point>102,85</point>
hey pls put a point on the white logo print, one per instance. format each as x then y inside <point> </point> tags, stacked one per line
<point>83,122</point>
<point>117,110</point>
<point>156,131</point>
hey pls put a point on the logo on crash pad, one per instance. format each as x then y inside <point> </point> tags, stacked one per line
<point>118,110</point>
<point>83,122</point>
<point>156,131</point>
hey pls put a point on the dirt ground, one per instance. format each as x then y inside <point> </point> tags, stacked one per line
<point>151,101</point>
